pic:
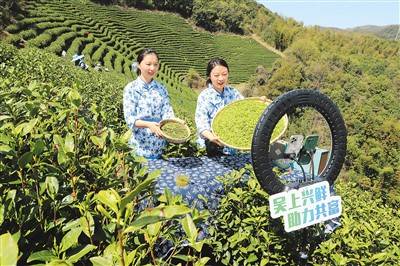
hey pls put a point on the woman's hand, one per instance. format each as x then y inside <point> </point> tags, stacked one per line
<point>212,137</point>
<point>216,140</point>
<point>263,98</point>
<point>155,128</point>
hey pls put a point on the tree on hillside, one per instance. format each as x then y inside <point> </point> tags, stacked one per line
<point>183,7</point>
<point>10,9</point>
<point>135,3</point>
<point>227,15</point>
<point>194,79</point>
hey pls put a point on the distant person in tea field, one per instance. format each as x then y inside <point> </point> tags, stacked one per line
<point>145,104</point>
<point>216,95</point>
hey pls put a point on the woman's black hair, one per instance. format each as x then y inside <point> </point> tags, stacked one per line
<point>213,63</point>
<point>142,54</point>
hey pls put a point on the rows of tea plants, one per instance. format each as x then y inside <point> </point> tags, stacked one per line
<point>71,192</point>
<point>248,49</point>
<point>122,33</point>
<point>100,46</point>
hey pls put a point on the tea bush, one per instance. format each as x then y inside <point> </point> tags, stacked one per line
<point>369,234</point>
<point>243,233</point>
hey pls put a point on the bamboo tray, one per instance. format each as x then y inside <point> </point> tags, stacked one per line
<point>171,138</point>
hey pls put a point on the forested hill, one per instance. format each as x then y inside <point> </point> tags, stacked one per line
<point>362,75</point>
<point>389,32</point>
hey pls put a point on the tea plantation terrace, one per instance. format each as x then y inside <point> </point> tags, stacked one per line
<point>113,36</point>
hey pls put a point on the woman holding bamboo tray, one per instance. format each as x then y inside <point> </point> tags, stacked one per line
<point>145,104</point>
<point>217,94</point>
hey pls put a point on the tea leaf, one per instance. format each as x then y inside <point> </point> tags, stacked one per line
<point>70,239</point>
<point>74,98</point>
<point>43,255</point>
<point>141,222</point>
<point>9,250</point>
<point>2,210</point>
<point>5,148</point>
<point>154,228</point>
<point>74,258</point>
<point>39,147</point>
<point>69,143</point>
<point>59,263</point>
<point>29,126</point>
<point>110,198</point>
<point>51,186</point>
<point>102,261</point>
<point>175,210</point>
<point>189,227</point>
<point>138,189</point>
<point>25,159</point>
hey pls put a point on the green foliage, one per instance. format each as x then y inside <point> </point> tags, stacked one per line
<point>183,7</point>
<point>9,10</point>
<point>219,15</point>
<point>243,233</point>
<point>9,250</point>
<point>194,80</point>
<point>72,193</point>
<point>368,236</point>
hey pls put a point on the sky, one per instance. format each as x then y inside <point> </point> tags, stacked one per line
<point>338,13</point>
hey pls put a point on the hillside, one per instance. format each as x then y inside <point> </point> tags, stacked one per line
<point>386,32</point>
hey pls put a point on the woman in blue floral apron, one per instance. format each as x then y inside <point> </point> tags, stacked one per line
<point>146,103</point>
<point>217,94</point>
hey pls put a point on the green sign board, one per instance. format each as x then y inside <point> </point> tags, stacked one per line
<point>305,206</point>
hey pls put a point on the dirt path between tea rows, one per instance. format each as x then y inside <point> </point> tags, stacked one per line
<point>266,45</point>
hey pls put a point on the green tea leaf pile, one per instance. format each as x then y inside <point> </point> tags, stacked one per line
<point>235,123</point>
<point>174,130</point>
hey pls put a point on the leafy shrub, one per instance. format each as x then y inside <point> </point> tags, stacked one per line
<point>242,232</point>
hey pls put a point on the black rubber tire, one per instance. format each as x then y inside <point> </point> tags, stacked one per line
<point>262,165</point>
